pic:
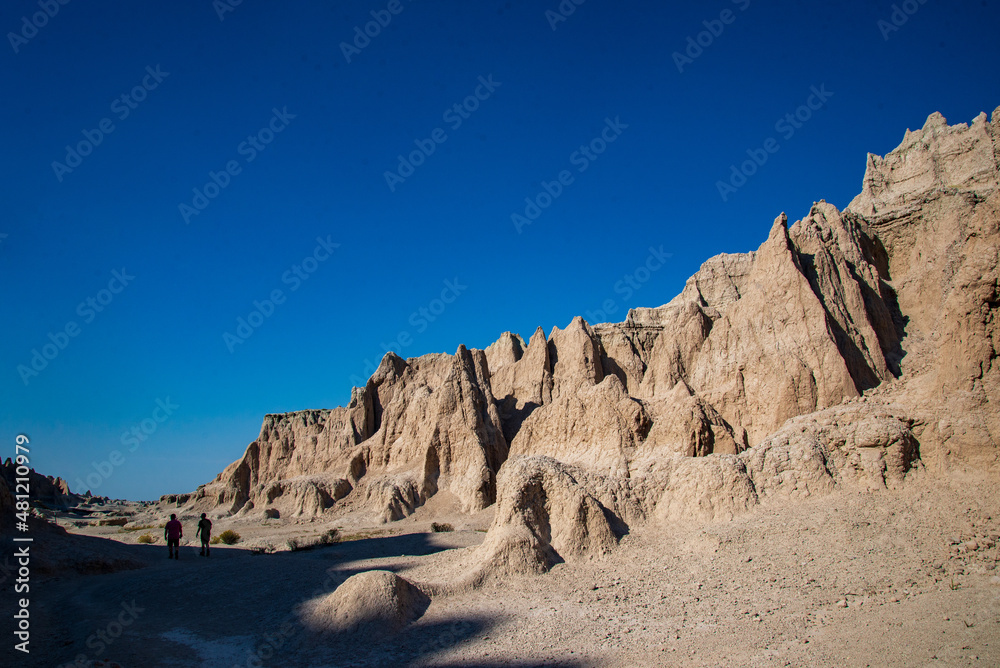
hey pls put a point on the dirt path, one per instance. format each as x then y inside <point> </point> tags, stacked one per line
<point>904,578</point>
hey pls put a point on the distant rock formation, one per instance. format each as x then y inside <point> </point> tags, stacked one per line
<point>55,552</point>
<point>45,489</point>
<point>853,347</point>
<point>417,426</point>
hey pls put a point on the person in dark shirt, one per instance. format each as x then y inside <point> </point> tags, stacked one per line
<point>172,533</point>
<point>205,529</point>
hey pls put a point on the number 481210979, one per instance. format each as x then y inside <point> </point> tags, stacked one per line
<point>22,481</point>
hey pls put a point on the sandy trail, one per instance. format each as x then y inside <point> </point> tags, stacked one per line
<point>852,579</point>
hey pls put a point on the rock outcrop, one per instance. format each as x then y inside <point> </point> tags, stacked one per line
<point>894,298</point>
<point>45,489</point>
<point>932,204</point>
<point>369,604</point>
<point>418,426</point>
<point>854,347</point>
<point>56,552</point>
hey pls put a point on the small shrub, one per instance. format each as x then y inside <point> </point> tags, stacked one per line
<point>229,537</point>
<point>441,528</point>
<point>146,538</point>
<point>330,537</point>
<point>293,544</point>
<point>215,540</point>
<point>113,522</point>
<point>139,527</point>
<point>347,537</point>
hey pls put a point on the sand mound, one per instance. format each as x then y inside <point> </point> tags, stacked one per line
<point>373,602</point>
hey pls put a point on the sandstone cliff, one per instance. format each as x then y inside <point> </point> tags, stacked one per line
<point>852,347</point>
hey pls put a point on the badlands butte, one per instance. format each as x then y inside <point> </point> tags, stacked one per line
<point>855,347</point>
<point>793,462</point>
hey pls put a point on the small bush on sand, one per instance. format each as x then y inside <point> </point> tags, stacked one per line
<point>441,528</point>
<point>113,522</point>
<point>146,538</point>
<point>329,537</point>
<point>136,528</point>
<point>229,537</point>
<point>215,540</point>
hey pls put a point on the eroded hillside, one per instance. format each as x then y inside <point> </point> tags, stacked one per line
<point>852,347</point>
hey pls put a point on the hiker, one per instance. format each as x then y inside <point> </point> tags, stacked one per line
<point>172,533</point>
<point>205,529</point>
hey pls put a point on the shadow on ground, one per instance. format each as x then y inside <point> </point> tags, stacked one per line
<point>232,609</point>
<point>421,644</point>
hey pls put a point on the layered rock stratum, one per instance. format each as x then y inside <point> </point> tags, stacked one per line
<point>854,347</point>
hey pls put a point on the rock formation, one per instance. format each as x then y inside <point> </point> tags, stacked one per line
<point>45,489</point>
<point>56,552</point>
<point>932,204</point>
<point>852,347</point>
<point>370,604</point>
<point>417,426</point>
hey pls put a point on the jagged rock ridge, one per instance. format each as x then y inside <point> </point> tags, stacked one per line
<point>44,489</point>
<point>852,347</point>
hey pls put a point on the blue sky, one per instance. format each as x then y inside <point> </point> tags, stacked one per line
<point>288,135</point>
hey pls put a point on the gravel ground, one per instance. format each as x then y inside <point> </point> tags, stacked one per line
<point>901,578</point>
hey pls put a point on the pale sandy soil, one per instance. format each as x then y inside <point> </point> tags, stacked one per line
<point>766,589</point>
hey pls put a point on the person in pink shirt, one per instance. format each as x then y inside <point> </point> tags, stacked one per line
<point>172,533</point>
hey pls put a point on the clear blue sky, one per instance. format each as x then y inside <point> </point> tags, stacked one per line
<point>317,169</point>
